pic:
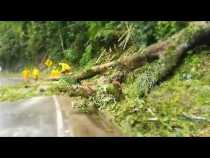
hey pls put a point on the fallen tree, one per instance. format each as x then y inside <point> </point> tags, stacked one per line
<point>187,36</point>
<point>192,37</point>
<point>166,55</point>
<point>151,53</point>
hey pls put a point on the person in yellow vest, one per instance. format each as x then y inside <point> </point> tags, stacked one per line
<point>65,68</point>
<point>49,63</point>
<point>55,73</point>
<point>26,74</point>
<point>36,74</point>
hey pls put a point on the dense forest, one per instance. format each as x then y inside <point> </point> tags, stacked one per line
<point>77,42</point>
<point>150,78</point>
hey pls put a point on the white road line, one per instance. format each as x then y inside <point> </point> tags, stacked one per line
<point>59,118</point>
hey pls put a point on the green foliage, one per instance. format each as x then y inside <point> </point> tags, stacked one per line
<point>127,36</point>
<point>101,99</point>
<point>145,32</point>
<point>149,32</point>
<point>75,41</point>
<point>87,55</point>
<point>71,55</point>
<point>164,111</point>
<point>10,44</point>
<point>164,29</point>
<point>80,105</point>
<point>68,80</point>
<point>176,107</point>
<point>103,34</point>
<point>21,91</point>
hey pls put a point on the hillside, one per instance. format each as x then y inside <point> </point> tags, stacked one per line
<point>152,85</point>
<point>176,107</point>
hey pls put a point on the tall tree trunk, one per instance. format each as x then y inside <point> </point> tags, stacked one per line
<point>61,39</point>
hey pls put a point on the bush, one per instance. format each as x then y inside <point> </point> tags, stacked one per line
<point>56,55</point>
<point>152,31</point>
<point>71,55</point>
<point>87,55</point>
<point>164,29</point>
<point>29,41</point>
<point>144,33</point>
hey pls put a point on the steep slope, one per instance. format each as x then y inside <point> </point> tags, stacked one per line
<point>176,107</point>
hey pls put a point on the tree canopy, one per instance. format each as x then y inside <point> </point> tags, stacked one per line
<point>77,42</point>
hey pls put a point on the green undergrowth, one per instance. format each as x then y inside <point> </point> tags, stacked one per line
<point>179,106</point>
<point>10,74</point>
<point>24,91</point>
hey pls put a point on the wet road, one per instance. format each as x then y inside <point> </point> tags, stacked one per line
<point>5,81</point>
<point>35,117</point>
<point>51,116</point>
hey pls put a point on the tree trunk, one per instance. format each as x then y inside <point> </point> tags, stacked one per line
<point>188,40</point>
<point>95,70</point>
<point>188,36</point>
<point>151,53</point>
<point>166,53</point>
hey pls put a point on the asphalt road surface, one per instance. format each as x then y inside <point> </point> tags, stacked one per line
<point>45,117</point>
<point>28,118</point>
<point>51,116</point>
<point>5,81</point>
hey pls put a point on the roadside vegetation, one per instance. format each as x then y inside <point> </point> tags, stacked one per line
<point>149,78</point>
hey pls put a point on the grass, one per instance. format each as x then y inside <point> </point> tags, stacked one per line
<point>10,74</point>
<point>179,106</point>
<point>23,91</point>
